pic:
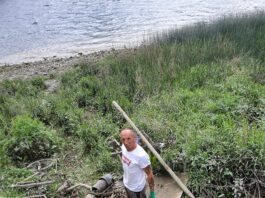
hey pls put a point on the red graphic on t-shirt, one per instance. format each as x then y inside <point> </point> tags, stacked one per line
<point>126,160</point>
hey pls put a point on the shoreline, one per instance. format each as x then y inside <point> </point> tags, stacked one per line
<point>52,65</point>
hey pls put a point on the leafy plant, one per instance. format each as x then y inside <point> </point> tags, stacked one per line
<point>30,140</point>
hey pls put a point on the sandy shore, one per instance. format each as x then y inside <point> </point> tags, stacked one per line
<point>50,66</point>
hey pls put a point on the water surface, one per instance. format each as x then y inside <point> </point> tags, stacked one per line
<point>33,29</point>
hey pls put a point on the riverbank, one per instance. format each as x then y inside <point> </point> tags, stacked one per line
<point>53,65</point>
<point>197,91</point>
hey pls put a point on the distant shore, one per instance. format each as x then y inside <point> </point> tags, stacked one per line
<point>49,66</point>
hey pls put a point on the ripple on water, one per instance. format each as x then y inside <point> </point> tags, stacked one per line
<point>58,27</point>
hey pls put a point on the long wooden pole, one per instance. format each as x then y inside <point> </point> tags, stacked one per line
<point>168,169</point>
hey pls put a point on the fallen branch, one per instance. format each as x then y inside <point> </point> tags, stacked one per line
<point>77,185</point>
<point>30,185</point>
<point>37,196</point>
<point>89,188</point>
<point>39,164</point>
<point>23,181</point>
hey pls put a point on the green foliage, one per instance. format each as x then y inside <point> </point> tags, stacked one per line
<point>70,78</point>
<point>30,140</point>
<point>232,157</point>
<point>214,131</point>
<point>17,88</point>
<point>38,82</point>
<point>106,163</point>
<point>4,159</point>
<point>11,194</point>
<point>95,132</point>
<point>245,31</point>
<point>4,125</point>
<point>200,90</point>
<point>12,175</point>
<point>90,87</point>
<point>59,113</point>
<point>203,75</point>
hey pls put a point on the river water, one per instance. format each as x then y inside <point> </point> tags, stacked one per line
<point>33,29</point>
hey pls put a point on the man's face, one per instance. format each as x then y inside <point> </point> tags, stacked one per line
<point>128,139</point>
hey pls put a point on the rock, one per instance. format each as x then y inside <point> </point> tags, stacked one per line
<point>52,85</point>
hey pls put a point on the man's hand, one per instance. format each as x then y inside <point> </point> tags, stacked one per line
<point>152,194</point>
<point>150,178</point>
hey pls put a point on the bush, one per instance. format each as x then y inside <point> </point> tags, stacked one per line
<point>59,113</point>
<point>90,88</point>
<point>45,111</point>
<point>12,175</point>
<point>228,164</point>
<point>17,88</point>
<point>30,140</point>
<point>218,134</point>
<point>106,163</point>
<point>94,133</point>
<point>38,82</point>
<point>4,159</point>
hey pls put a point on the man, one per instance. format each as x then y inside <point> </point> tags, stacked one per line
<point>136,166</point>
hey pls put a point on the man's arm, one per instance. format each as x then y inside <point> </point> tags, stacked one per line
<point>150,178</point>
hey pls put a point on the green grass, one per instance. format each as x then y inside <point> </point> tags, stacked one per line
<point>199,89</point>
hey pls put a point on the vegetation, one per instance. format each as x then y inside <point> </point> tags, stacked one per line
<point>200,90</point>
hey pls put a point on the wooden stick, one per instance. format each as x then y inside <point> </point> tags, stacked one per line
<point>168,169</point>
<point>77,185</point>
<point>24,180</point>
<point>89,188</point>
<point>39,164</point>
<point>30,185</point>
<point>37,196</point>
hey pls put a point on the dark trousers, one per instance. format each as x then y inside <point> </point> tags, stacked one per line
<point>131,194</point>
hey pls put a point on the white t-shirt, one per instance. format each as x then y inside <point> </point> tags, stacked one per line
<point>133,163</point>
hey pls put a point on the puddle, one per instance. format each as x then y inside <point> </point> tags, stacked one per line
<point>166,187</point>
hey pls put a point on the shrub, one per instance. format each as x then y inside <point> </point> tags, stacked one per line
<point>30,140</point>
<point>45,111</point>
<point>17,88</point>
<point>228,164</point>
<point>94,133</point>
<point>4,160</point>
<point>59,113</point>
<point>12,175</point>
<point>106,163</point>
<point>219,130</point>
<point>90,88</point>
<point>38,82</point>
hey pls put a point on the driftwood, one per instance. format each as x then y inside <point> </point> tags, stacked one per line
<point>39,163</point>
<point>64,189</point>
<point>115,191</point>
<point>37,196</point>
<point>79,185</point>
<point>31,185</point>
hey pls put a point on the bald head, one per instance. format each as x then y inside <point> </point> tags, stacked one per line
<point>128,138</point>
<point>127,131</point>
